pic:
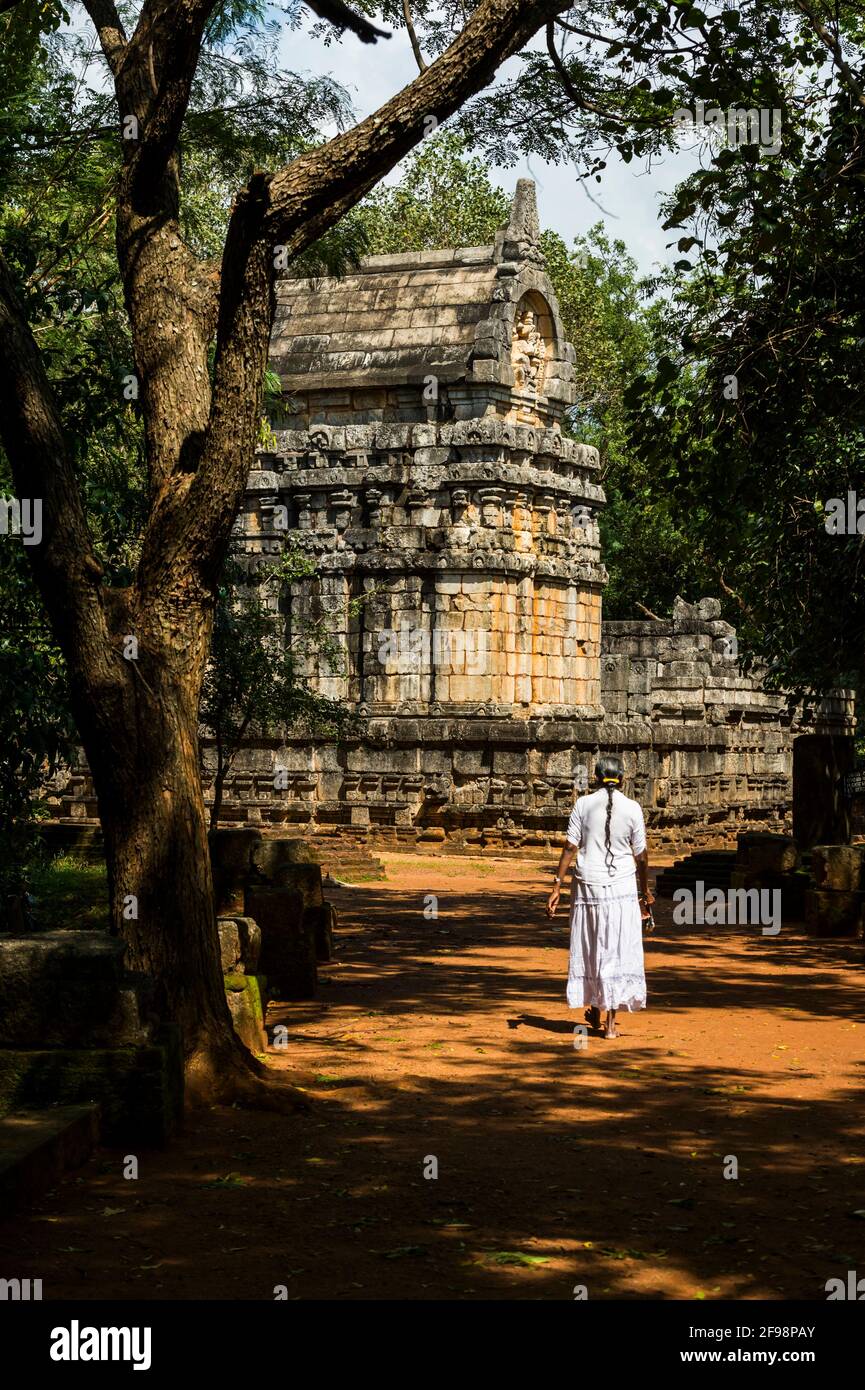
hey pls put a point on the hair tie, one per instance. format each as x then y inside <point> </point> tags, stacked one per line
<point>611,779</point>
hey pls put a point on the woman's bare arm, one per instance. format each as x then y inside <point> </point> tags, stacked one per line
<point>646,896</point>
<point>566,859</point>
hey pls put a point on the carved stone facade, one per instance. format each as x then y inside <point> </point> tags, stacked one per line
<point>462,547</point>
<point>709,750</point>
<point>419,457</point>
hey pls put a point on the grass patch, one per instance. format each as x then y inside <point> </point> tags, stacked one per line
<point>458,866</point>
<point>70,893</point>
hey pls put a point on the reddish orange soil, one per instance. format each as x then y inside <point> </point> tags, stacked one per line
<point>450,1038</point>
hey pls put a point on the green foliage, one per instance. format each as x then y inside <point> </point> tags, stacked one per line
<point>257,682</point>
<point>623,69</point>
<point>35,726</point>
<point>754,415</point>
<point>607,316</point>
<point>68,892</point>
<point>444,198</point>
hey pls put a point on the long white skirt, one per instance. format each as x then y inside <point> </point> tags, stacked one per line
<point>606,964</point>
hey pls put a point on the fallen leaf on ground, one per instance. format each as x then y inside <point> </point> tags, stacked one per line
<point>513,1257</point>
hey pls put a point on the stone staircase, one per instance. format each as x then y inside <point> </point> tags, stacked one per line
<point>352,868</point>
<point>38,1146</point>
<point>711,867</point>
<point>347,862</point>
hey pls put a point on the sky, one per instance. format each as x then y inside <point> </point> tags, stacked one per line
<point>628,194</point>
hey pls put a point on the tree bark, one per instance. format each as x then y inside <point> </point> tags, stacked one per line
<point>153,816</point>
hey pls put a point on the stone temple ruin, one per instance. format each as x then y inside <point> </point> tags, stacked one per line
<point>420,456</point>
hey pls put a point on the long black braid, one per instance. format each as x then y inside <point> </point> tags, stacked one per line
<point>609,857</point>
<point>609,772</point>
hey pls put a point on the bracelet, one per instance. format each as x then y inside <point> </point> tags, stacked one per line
<point>557,881</point>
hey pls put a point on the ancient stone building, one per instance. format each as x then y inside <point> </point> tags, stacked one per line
<point>419,457</point>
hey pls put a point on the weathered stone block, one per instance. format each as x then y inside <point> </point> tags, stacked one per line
<point>68,988</point>
<point>285,861</point>
<point>792,887</point>
<point>231,857</point>
<point>322,920</point>
<point>764,853</point>
<point>287,941</point>
<point>139,1089</point>
<point>838,867</point>
<point>829,913</point>
<point>304,879</point>
<point>471,761</point>
<point>239,944</point>
<point>247,1001</point>
<point>38,1146</point>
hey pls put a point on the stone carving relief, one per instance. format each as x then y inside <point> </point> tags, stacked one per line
<point>528,353</point>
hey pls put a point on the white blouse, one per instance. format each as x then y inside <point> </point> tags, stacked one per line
<point>586,830</point>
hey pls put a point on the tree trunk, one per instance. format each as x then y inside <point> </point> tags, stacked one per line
<point>161,891</point>
<point>146,770</point>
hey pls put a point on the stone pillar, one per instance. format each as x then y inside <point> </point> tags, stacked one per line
<point>821,814</point>
<point>231,858</point>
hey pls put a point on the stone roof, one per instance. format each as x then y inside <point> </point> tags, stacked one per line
<point>399,318</point>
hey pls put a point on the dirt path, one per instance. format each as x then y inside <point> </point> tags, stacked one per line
<point>448,1038</point>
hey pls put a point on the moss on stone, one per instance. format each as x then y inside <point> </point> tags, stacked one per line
<point>139,1089</point>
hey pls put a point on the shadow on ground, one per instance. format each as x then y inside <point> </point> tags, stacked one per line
<point>443,1044</point>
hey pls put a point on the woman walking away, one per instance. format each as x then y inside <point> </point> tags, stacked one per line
<point>610,898</point>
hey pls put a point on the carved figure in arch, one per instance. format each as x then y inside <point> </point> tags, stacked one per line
<point>528,352</point>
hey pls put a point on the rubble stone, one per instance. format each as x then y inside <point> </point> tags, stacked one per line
<point>838,867</point>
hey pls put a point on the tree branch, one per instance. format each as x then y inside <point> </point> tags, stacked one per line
<point>648,612</point>
<point>413,38</point>
<point>576,97</point>
<point>67,570</point>
<point>170,297</point>
<point>154,83</point>
<point>340,15</point>
<point>109,30</point>
<point>833,43</point>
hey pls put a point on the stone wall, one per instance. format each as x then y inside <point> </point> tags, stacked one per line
<point>473,547</point>
<point>708,753</point>
<point>708,749</point>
